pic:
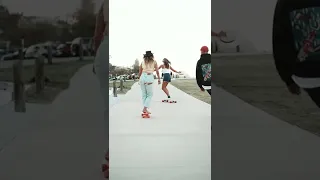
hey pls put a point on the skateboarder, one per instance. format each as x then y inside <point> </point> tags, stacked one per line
<point>296,29</point>
<point>100,68</point>
<point>166,71</point>
<point>146,79</point>
<point>203,70</point>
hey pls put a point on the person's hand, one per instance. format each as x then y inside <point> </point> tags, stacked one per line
<point>202,89</point>
<point>294,89</point>
<point>159,82</point>
<point>179,72</point>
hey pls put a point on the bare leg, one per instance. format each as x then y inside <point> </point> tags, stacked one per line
<point>164,88</point>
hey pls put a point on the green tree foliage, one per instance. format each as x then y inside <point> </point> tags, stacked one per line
<point>15,26</point>
<point>112,68</point>
<point>85,24</point>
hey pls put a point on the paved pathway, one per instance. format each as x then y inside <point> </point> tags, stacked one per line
<point>249,144</point>
<point>174,144</point>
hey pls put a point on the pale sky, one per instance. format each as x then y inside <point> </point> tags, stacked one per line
<point>173,29</point>
<point>250,18</point>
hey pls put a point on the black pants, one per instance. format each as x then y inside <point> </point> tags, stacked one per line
<point>314,94</point>
<point>209,91</point>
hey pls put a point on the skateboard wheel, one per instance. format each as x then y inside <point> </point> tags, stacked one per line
<point>145,115</point>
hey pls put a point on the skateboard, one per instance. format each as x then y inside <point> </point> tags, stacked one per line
<point>169,101</point>
<point>145,115</point>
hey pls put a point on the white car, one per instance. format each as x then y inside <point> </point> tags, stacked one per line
<point>34,50</point>
<point>87,44</point>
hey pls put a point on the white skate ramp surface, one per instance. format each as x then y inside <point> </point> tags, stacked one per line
<point>174,144</point>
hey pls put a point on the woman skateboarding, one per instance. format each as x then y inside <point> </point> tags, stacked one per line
<point>146,79</point>
<point>166,70</point>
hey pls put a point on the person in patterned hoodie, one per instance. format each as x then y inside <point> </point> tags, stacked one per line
<point>296,47</point>
<point>203,70</point>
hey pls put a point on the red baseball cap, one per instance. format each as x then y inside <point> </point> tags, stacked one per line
<point>204,49</point>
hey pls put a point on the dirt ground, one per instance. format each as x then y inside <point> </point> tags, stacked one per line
<point>254,79</point>
<point>190,87</point>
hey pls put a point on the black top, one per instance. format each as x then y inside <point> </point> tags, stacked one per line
<point>296,39</point>
<point>203,70</point>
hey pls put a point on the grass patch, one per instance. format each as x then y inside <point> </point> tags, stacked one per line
<point>58,73</point>
<point>190,87</point>
<point>126,86</point>
<point>254,79</point>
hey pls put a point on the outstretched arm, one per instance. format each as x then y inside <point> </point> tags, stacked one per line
<point>161,66</point>
<point>174,70</point>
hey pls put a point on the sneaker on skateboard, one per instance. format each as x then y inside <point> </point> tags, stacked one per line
<point>145,115</point>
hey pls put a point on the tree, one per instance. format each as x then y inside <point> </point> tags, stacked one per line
<point>135,67</point>
<point>112,69</point>
<point>9,25</point>
<point>85,22</point>
<point>64,30</point>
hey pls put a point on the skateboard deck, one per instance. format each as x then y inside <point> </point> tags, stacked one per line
<point>169,101</point>
<point>145,115</point>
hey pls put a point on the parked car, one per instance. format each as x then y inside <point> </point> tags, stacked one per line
<point>64,50</point>
<point>87,45</point>
<point>6,57</point>
<point>16,54</point>
<point>132,76</point>
<point>2,54</point>
<point>53,48</point>
<point>34,50</point>
<point>10,54</point>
